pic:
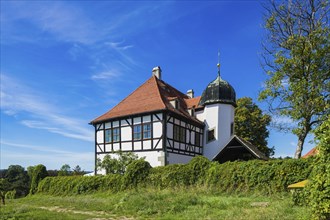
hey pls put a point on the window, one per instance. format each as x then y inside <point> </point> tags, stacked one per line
<point>137,132</point>
<point>179,133</point>
<point>197,139</point>
<point>115,134</point>
<point>108,136</point>
<point>146,131</point>
<point>210,135</point>
<point>232,128</point>
<point>112,135</point>
<point>142,131</point>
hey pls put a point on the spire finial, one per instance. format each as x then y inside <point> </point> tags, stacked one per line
<point>218,65</point>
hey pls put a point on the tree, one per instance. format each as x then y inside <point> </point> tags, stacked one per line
<point>4,188</point>
<point>113,165</point>
<point>65,170</point>
<point>296,60</point>
<point>251,124</point>
<point>37,173</point>
<point>78,171</point>
<point>18,180</point>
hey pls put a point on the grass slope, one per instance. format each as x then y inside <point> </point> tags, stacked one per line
<point>154,204</point>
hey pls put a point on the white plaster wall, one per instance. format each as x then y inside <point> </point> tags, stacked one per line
<point>147,145</point>
<point>160,144</point>
<point>126,133</point>
<point>219,117</point>
<point>137,145</point>
<point>153,157</point>
<point>99,136</point>
<point>178,158</point>
<point>116,146</point>
<point>157,129</point>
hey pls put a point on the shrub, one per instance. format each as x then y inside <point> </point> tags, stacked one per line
<point>38,173</point>
<point>255,175</point>
<point>137,171</point>
<point>11,194</point>
<point>174,175</point>
<point>116,165</point>
<point>198,167</point>
<point>319,188</point>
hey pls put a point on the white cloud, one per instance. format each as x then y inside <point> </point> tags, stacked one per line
<point>17,98</point>
<point>282,120</point>
<point>111,74</point>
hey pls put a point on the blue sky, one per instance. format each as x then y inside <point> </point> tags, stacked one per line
<point>65,63</point>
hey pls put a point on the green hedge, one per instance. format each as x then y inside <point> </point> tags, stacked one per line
<point>67,185</point>
<point>264,176</point>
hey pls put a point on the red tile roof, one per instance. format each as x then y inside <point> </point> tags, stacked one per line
<point>193,102</point>
<point>310,153</point>
<point>153,95</point>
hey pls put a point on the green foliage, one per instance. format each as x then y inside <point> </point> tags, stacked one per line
<point>267,177</point>
<point>319,188</point>
<point>137,171</point>
<point>77,171</point>
<point>198,167</point>
<point>37,173</point>
<point>72,185</point>
<point>297,64</point>
<point>116,166</point>
<point>251,124</point>
<point>4,188</point>
<point>174,175</point>
<point>262,176</point>
<point>10,194</point>
<point>65,170</point>
<point>18,179</point>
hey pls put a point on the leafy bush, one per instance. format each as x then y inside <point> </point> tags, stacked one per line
<point>136,172</point>
<point>263,176</point>
<point>174,175</point>
<point>198,167</point>
<point>72,185</point>
<point>319,188</point>
<point>37,173</point>
<point>11,194</point>
<point>116,166</point>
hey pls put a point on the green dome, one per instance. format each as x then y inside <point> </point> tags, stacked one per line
<point>218,91</point>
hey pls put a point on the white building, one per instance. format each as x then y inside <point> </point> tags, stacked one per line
<point>158,122</point>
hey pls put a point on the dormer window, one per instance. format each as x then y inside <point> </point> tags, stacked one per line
<point>175,103</point>
<point>191,112</point>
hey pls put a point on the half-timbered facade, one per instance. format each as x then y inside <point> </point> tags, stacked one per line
<point>165,126</point>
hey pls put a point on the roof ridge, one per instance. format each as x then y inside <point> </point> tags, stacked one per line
<point>181,93</point>
<point>158,91</point>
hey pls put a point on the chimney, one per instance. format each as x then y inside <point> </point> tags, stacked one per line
<point>190,93</point>
<point>156,71</point>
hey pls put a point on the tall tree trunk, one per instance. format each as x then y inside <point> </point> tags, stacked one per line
<point>300,145</point>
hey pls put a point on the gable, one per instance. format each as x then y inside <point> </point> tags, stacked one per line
<point>239,149</point>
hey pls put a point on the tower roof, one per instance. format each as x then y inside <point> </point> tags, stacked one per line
<point>218,91</point>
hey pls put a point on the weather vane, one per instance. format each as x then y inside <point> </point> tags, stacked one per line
<point>218,63</point>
